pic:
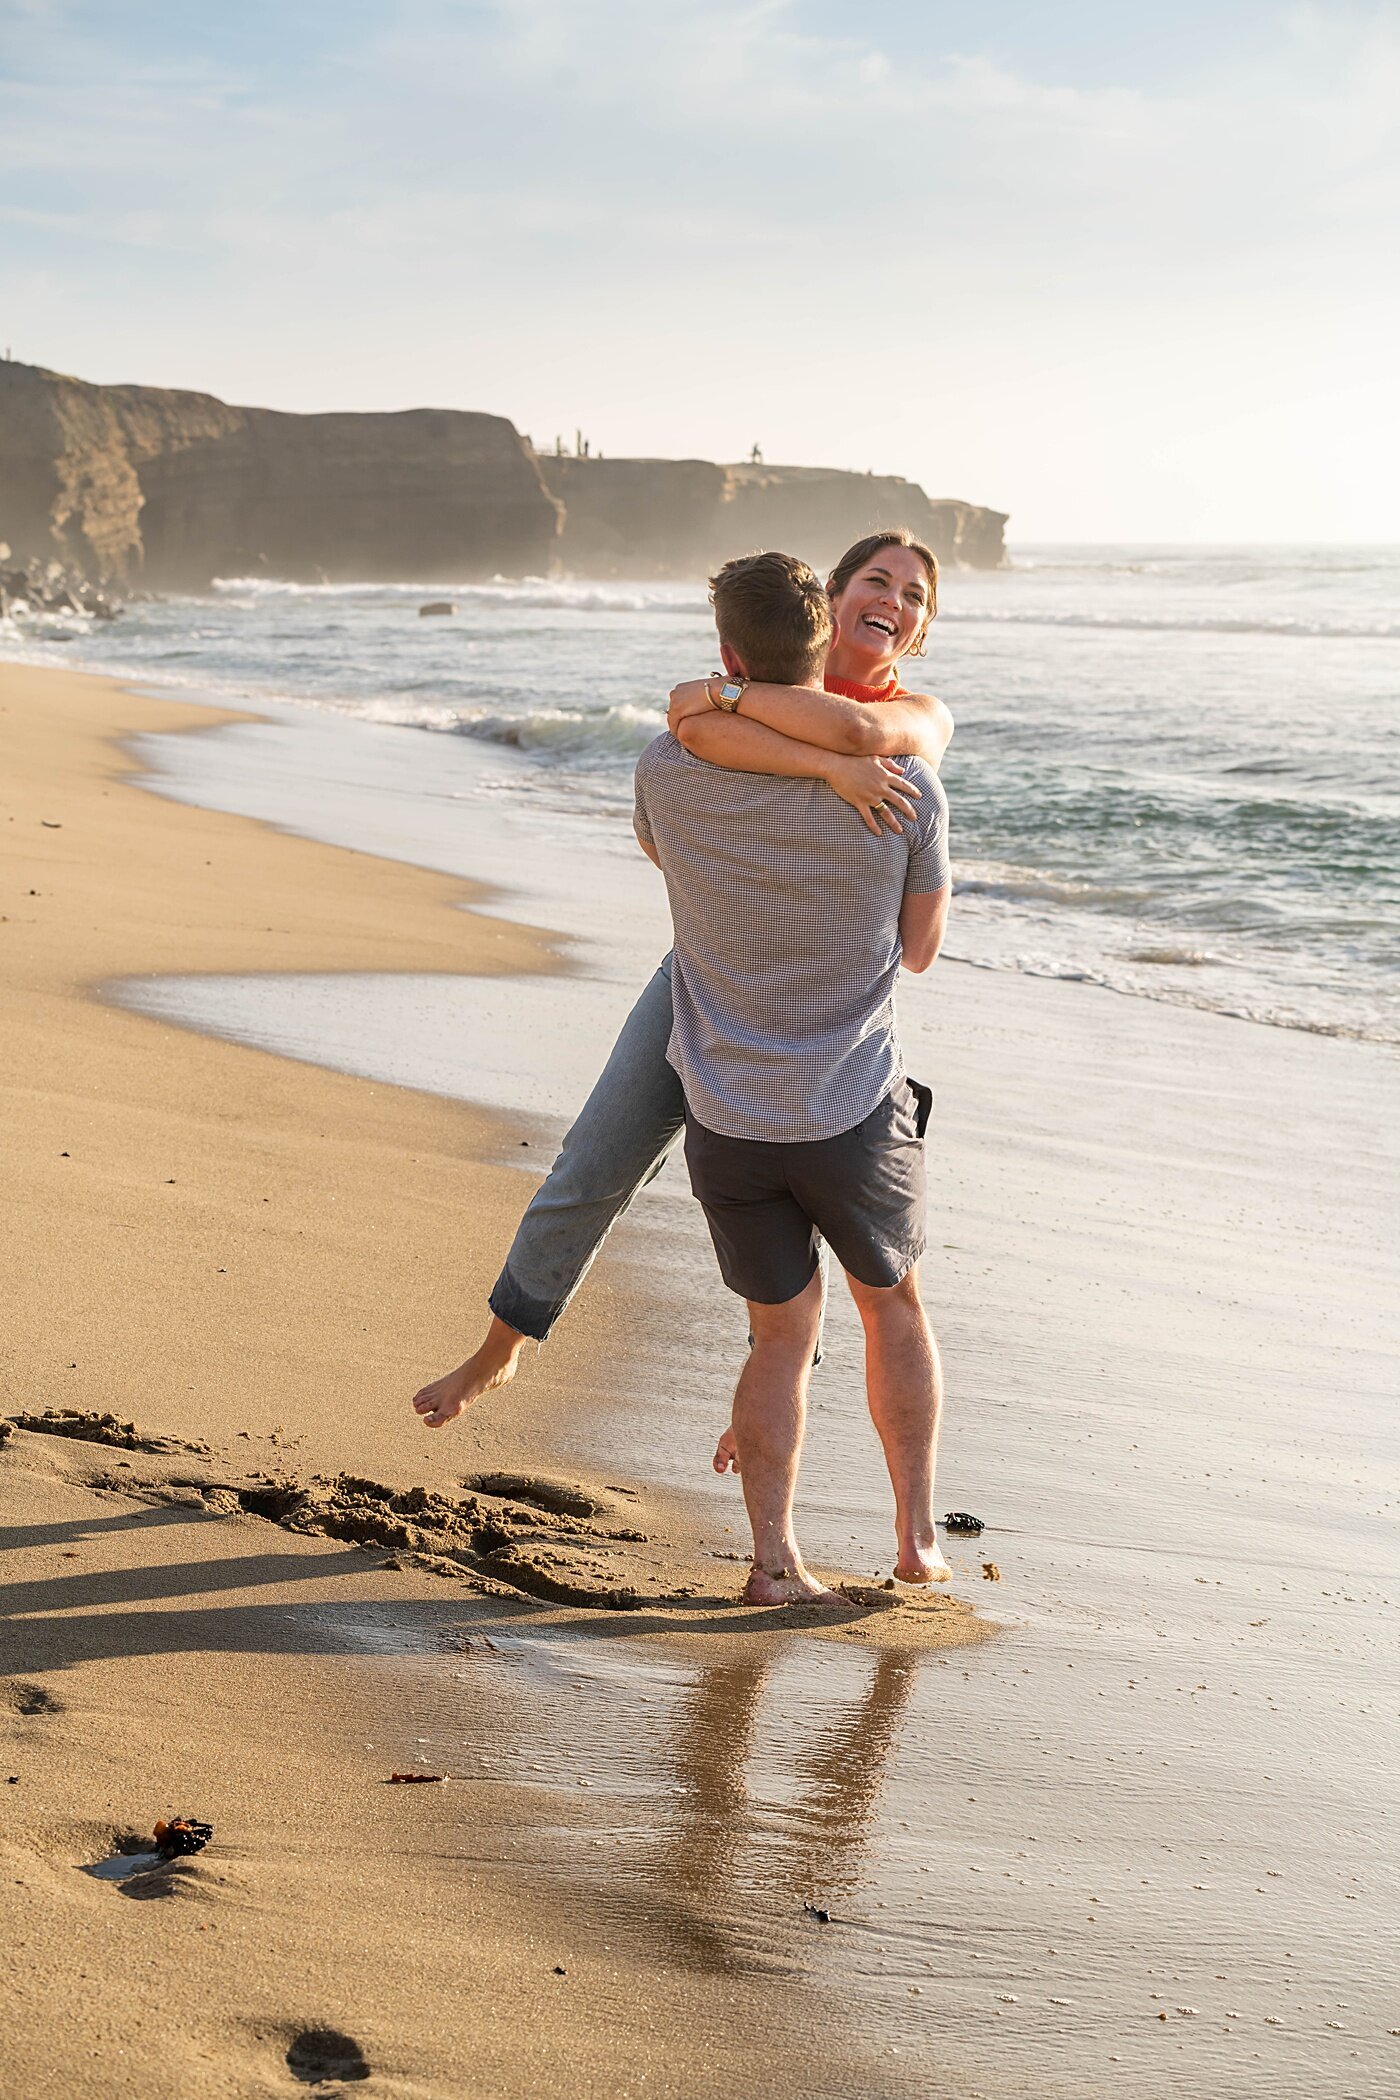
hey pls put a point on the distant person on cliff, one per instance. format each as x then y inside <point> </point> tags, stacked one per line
<point>800,1123</point>
<point>884,596</point>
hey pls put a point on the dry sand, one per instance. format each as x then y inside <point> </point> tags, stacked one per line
<point>260,1260</point>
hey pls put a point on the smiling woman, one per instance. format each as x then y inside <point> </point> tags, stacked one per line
<point>886,586</point>
<point>883,594</point>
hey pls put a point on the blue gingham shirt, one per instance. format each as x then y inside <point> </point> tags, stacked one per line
<point>786,913</point>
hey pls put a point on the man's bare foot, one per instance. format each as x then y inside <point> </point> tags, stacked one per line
<point>921,1560</point>
<point>787,1586</point>
<point>726,1458</point>
<point>493,1365</point>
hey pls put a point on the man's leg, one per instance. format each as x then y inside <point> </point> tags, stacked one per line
<point>904,1387</point>
<point>770,1414</point>
<point>767,1252</point>
<point>618,1143</point>
<point>726,1458</point>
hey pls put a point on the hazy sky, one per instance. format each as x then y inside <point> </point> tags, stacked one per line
<point>1126,271</point>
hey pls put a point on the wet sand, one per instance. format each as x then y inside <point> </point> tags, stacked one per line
<point>254,1261</point>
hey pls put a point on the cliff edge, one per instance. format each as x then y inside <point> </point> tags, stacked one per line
<point>143,485</point>
<point>681,517</point>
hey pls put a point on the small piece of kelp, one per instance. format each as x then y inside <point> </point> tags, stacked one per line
<point>181,1837</point>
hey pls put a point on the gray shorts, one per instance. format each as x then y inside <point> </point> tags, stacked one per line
<point>769,1206</point>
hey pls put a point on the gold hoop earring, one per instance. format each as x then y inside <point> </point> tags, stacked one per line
<point>919,648</point>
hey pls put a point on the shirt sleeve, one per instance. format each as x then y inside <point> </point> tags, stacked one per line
<point>641,822</point>
<point>929,865</point>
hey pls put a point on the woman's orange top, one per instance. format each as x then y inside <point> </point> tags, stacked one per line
<point>849,690</point>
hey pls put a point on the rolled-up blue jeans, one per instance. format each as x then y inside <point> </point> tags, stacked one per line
<point>620,1142</point>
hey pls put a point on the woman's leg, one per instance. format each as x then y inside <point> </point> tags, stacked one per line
<point>619,1142</point>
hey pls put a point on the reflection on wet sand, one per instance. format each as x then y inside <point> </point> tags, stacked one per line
<point>778,1794</point>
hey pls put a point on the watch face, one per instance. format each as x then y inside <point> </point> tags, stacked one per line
<point>731,690</point>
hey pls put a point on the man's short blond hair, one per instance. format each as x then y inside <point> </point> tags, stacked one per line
<point>774,613</point>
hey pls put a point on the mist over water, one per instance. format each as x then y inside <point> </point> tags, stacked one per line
<point>1177,771</point>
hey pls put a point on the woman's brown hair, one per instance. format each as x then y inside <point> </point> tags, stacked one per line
<point>855,558</point>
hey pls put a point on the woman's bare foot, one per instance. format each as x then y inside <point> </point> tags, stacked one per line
<point>787,1586</point>
<point>726,1458</point>
<point>493,1365</point>
<point>921,1560</point>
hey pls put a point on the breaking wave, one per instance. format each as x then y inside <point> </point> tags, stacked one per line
<point>1378,630</point>
<point>1009,885</point>
<point>502,593</point>
<point>601,736</point>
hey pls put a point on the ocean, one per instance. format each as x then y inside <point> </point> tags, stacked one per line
<point>1176,773</point>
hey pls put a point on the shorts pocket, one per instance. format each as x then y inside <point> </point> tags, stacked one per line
<point>923,1105</point>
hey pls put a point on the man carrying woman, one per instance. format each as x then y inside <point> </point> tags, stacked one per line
<point>882,596</point>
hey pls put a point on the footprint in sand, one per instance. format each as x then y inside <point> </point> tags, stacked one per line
<point>553,1495</point>
<point>320,2054</point>
<point>86,1428</point>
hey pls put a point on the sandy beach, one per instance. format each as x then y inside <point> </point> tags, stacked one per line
<point>243,1255</point>
<point>1161,1251</point>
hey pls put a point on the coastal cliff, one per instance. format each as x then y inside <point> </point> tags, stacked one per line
<point>142,485</point>
<point>823,509</point>
<point>130,486</point>
<point>681,517</point>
